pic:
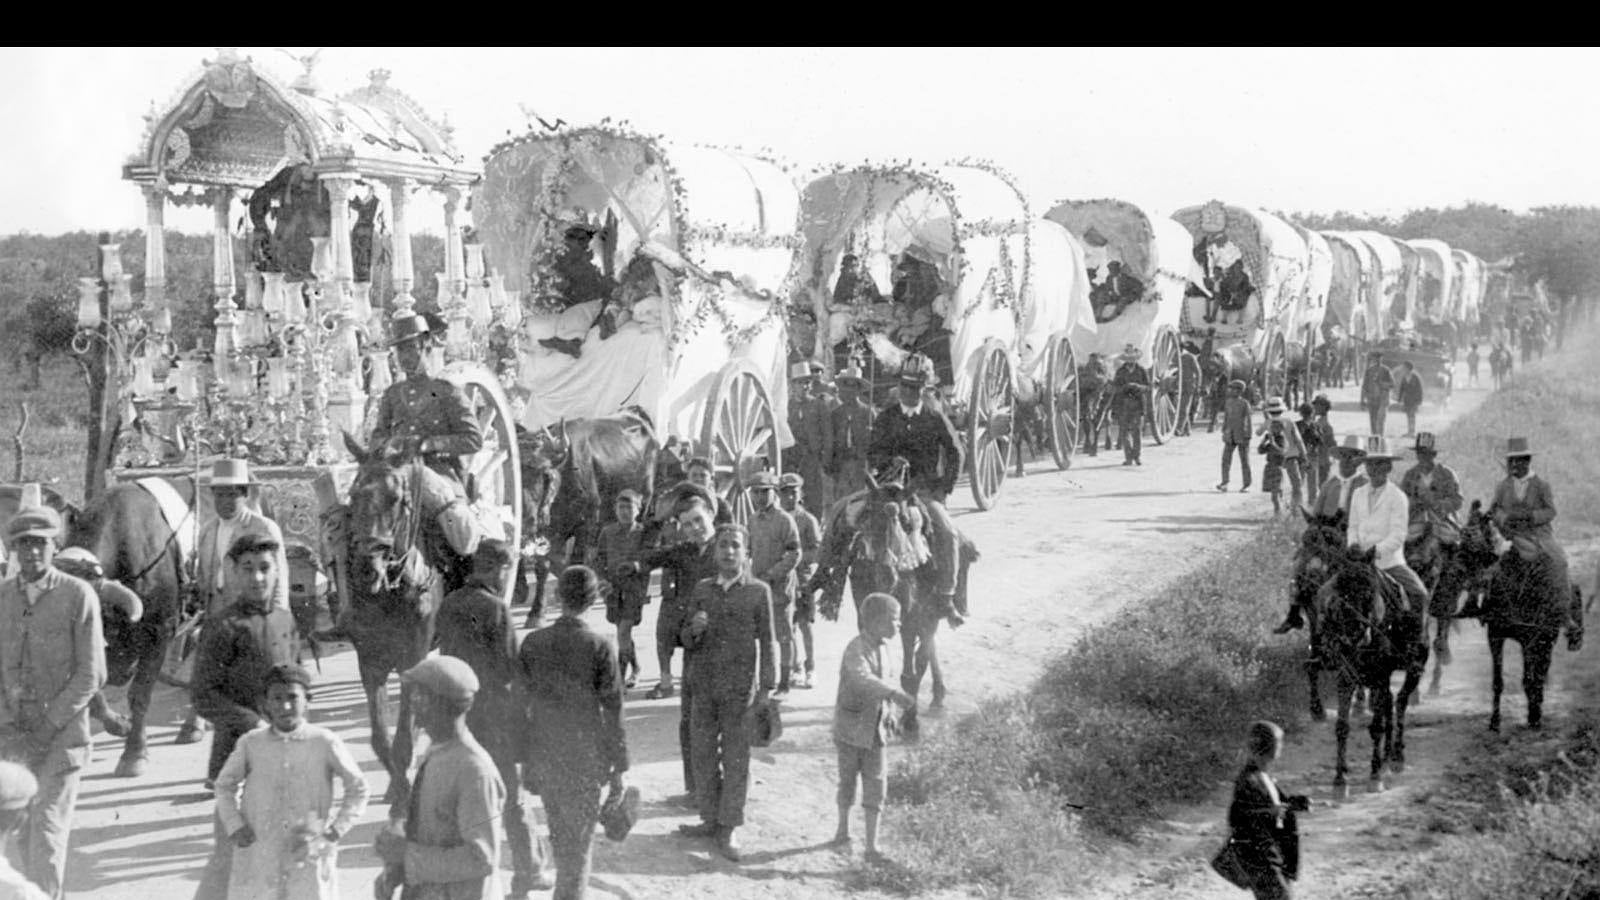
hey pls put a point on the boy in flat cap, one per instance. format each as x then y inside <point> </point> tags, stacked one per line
<point>52,662</point>
<point>448,846</point>
<point>805,609</point>
<point>576,744</point>
<point>17,788</point>
<point>774,553</point>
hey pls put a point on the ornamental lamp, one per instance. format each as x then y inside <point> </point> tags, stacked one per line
<point>361,301</point>
<point>88,303</point>
<point>186,379</point>
<point>378,375</point>
<point>322,258</point>
<point>294,303</point>
<point>121,294</point>
<point>272,293</point>
<point>252,290</point>
<point>280,378</point>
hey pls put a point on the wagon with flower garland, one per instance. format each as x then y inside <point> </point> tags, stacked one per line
<point>1250,343</point>
<point>703,352</point>
<point>999,317</point>
<point>1155,252</point>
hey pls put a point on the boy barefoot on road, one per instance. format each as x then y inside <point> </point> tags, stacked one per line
<point>860,725</point>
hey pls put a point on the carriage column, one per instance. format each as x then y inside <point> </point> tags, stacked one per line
<point>453,282</point>
<point>400,258</point>
<point>222,283</point>
<point>155,247</point>
<point>346,401</point>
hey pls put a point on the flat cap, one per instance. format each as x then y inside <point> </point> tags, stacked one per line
<point>17,786</point>
<point>33,521</point>
<point>791,480</point>
<point>443,676</point>
<point>762,480</point>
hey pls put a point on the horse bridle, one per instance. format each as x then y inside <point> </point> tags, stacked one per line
<point>408,523</point>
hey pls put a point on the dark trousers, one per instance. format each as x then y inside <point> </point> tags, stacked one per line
<point>1377,414</point>
<point>721,757</point>
<point>528,858</point>
<point>783,630</point>
<point>686,735</point>
<point>42,840</point>
<point>1228,448</point>
<point>223,739</point>
<point>1129,436</point>
<point>573,808</point>
<point>1411,420</point>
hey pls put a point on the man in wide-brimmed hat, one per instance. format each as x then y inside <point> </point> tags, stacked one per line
<point>230,485</point>
<point>914,430</point>
<point>1524,509</point>
<point>852,432</point>
<point>1434,493</point>
<point>1379,521</point>
<point>52,654</point>
<point>811,422</point>
<point>1332,506</point>
<point>1130,387</point>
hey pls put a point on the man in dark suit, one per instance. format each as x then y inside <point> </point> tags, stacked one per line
<point>1376,386</point>
<point>920,434</point>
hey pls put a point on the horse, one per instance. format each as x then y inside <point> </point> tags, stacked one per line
<point>865,540</point>
<point>393,549</point>
<point>1449,571</point>
<point>128,533</point>
<point>1526,601</point>
<point>1366,634</point>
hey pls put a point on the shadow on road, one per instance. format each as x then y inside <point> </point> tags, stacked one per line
<point>1182,524</point>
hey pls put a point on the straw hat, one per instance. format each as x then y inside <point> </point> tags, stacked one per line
<point>1378,448</point>
<point>1352,445</point>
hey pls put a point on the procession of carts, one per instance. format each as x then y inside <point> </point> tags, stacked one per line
<point>717,252</point>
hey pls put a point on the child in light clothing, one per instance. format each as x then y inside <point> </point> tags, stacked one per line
<point>284,841</point>
<point>860,725</point>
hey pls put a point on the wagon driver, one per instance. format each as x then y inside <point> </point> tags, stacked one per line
<point>424,415</point>
<point>920,433</point>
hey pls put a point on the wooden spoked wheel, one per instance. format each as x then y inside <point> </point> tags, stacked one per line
<point>1061,385</point>
<point>989,422</point>
<point>1166,384</point>
<point>740,434</point>
<point>1274,368</point>
<point>494,473</point>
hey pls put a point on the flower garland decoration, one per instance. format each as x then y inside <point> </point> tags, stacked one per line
<point>1014,292</point>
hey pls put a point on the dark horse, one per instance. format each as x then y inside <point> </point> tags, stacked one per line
<point>867,535</point>
<point>392,550</point>
<point>1450,571</point>
<point>128,533</point>
<point>1364,633</point>
<point>1528,602</point>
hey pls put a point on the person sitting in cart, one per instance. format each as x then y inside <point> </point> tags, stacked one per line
<point>1110,297</point>
<point>1225,277</point>
<point>579,281</point>
<point>424,415</point>
<point>914,430</point>
<point>855,287</point>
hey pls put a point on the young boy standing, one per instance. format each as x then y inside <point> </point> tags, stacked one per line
<point>790,485</point>
<point>474,625</point>
<point>860,726</point>
<point>621,545</point>
<point>285,844</point>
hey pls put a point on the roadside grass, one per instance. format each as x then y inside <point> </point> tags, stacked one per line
<point>1147,710</point>
<point>54,443</point>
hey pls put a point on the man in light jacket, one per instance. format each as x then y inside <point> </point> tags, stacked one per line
<point>1380,517</point>
<point>230,485</point>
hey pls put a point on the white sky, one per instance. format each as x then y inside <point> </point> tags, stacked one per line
<point>1296,129</point>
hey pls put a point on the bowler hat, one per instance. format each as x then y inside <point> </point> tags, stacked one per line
<point>230,473</point>
<point>1518,446</point>
<point>1352,445</point>
<point>408,328</point>
<point>33,521</point>
<point>443,676</point>
<point>1425,443</point>
<point>17,786</point>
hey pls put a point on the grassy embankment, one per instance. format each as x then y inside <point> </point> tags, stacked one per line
<point>55,439</point>
<point>1147,710</point>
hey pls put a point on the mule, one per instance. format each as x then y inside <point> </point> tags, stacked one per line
<point>127,532</point>
<point>864,541</point>
<point>1367,633</point>
<point>393,552</point>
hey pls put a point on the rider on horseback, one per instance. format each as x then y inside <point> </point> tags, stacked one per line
<point>1332,508</point>
<point>921,434</point>
<point>1379,521</point>
<point>1522,510</point>
<point>1434,495</point>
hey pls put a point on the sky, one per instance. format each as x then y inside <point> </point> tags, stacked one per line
<point>1365,130</point>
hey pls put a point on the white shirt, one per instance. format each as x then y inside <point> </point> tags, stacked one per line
<point>1519,486</point>
<point>1379,518</point>
<point>225,530</point>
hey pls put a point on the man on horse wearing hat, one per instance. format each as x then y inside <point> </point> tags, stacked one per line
<point>425,415</point>
<point>1332,506</point>
<point>1380,518</point>
<point>913,429</point>
<point>1434,494</point>
<point>1523,509</point>
<point>1129,386</point>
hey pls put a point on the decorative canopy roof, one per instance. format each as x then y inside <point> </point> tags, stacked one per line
<point>233,124</point>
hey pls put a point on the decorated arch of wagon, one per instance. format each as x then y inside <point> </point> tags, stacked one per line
<point>991,295</point>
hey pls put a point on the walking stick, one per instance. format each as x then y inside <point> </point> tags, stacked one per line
<point>16,441</point>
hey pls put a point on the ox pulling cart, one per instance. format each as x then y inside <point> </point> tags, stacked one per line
<point>990,295</point>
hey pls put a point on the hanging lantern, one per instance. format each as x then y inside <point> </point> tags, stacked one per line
<point>88,303</point>
<point>280,378</point>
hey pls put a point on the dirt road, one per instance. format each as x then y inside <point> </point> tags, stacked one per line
<point>1063,551</point>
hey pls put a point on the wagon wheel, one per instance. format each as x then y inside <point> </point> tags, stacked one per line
<point>740,435</point>
<point>1274,377</point>
<point>494,473</point>
<point>989,417</point>
<point>1061,381</point>
<point>1166,384</point>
